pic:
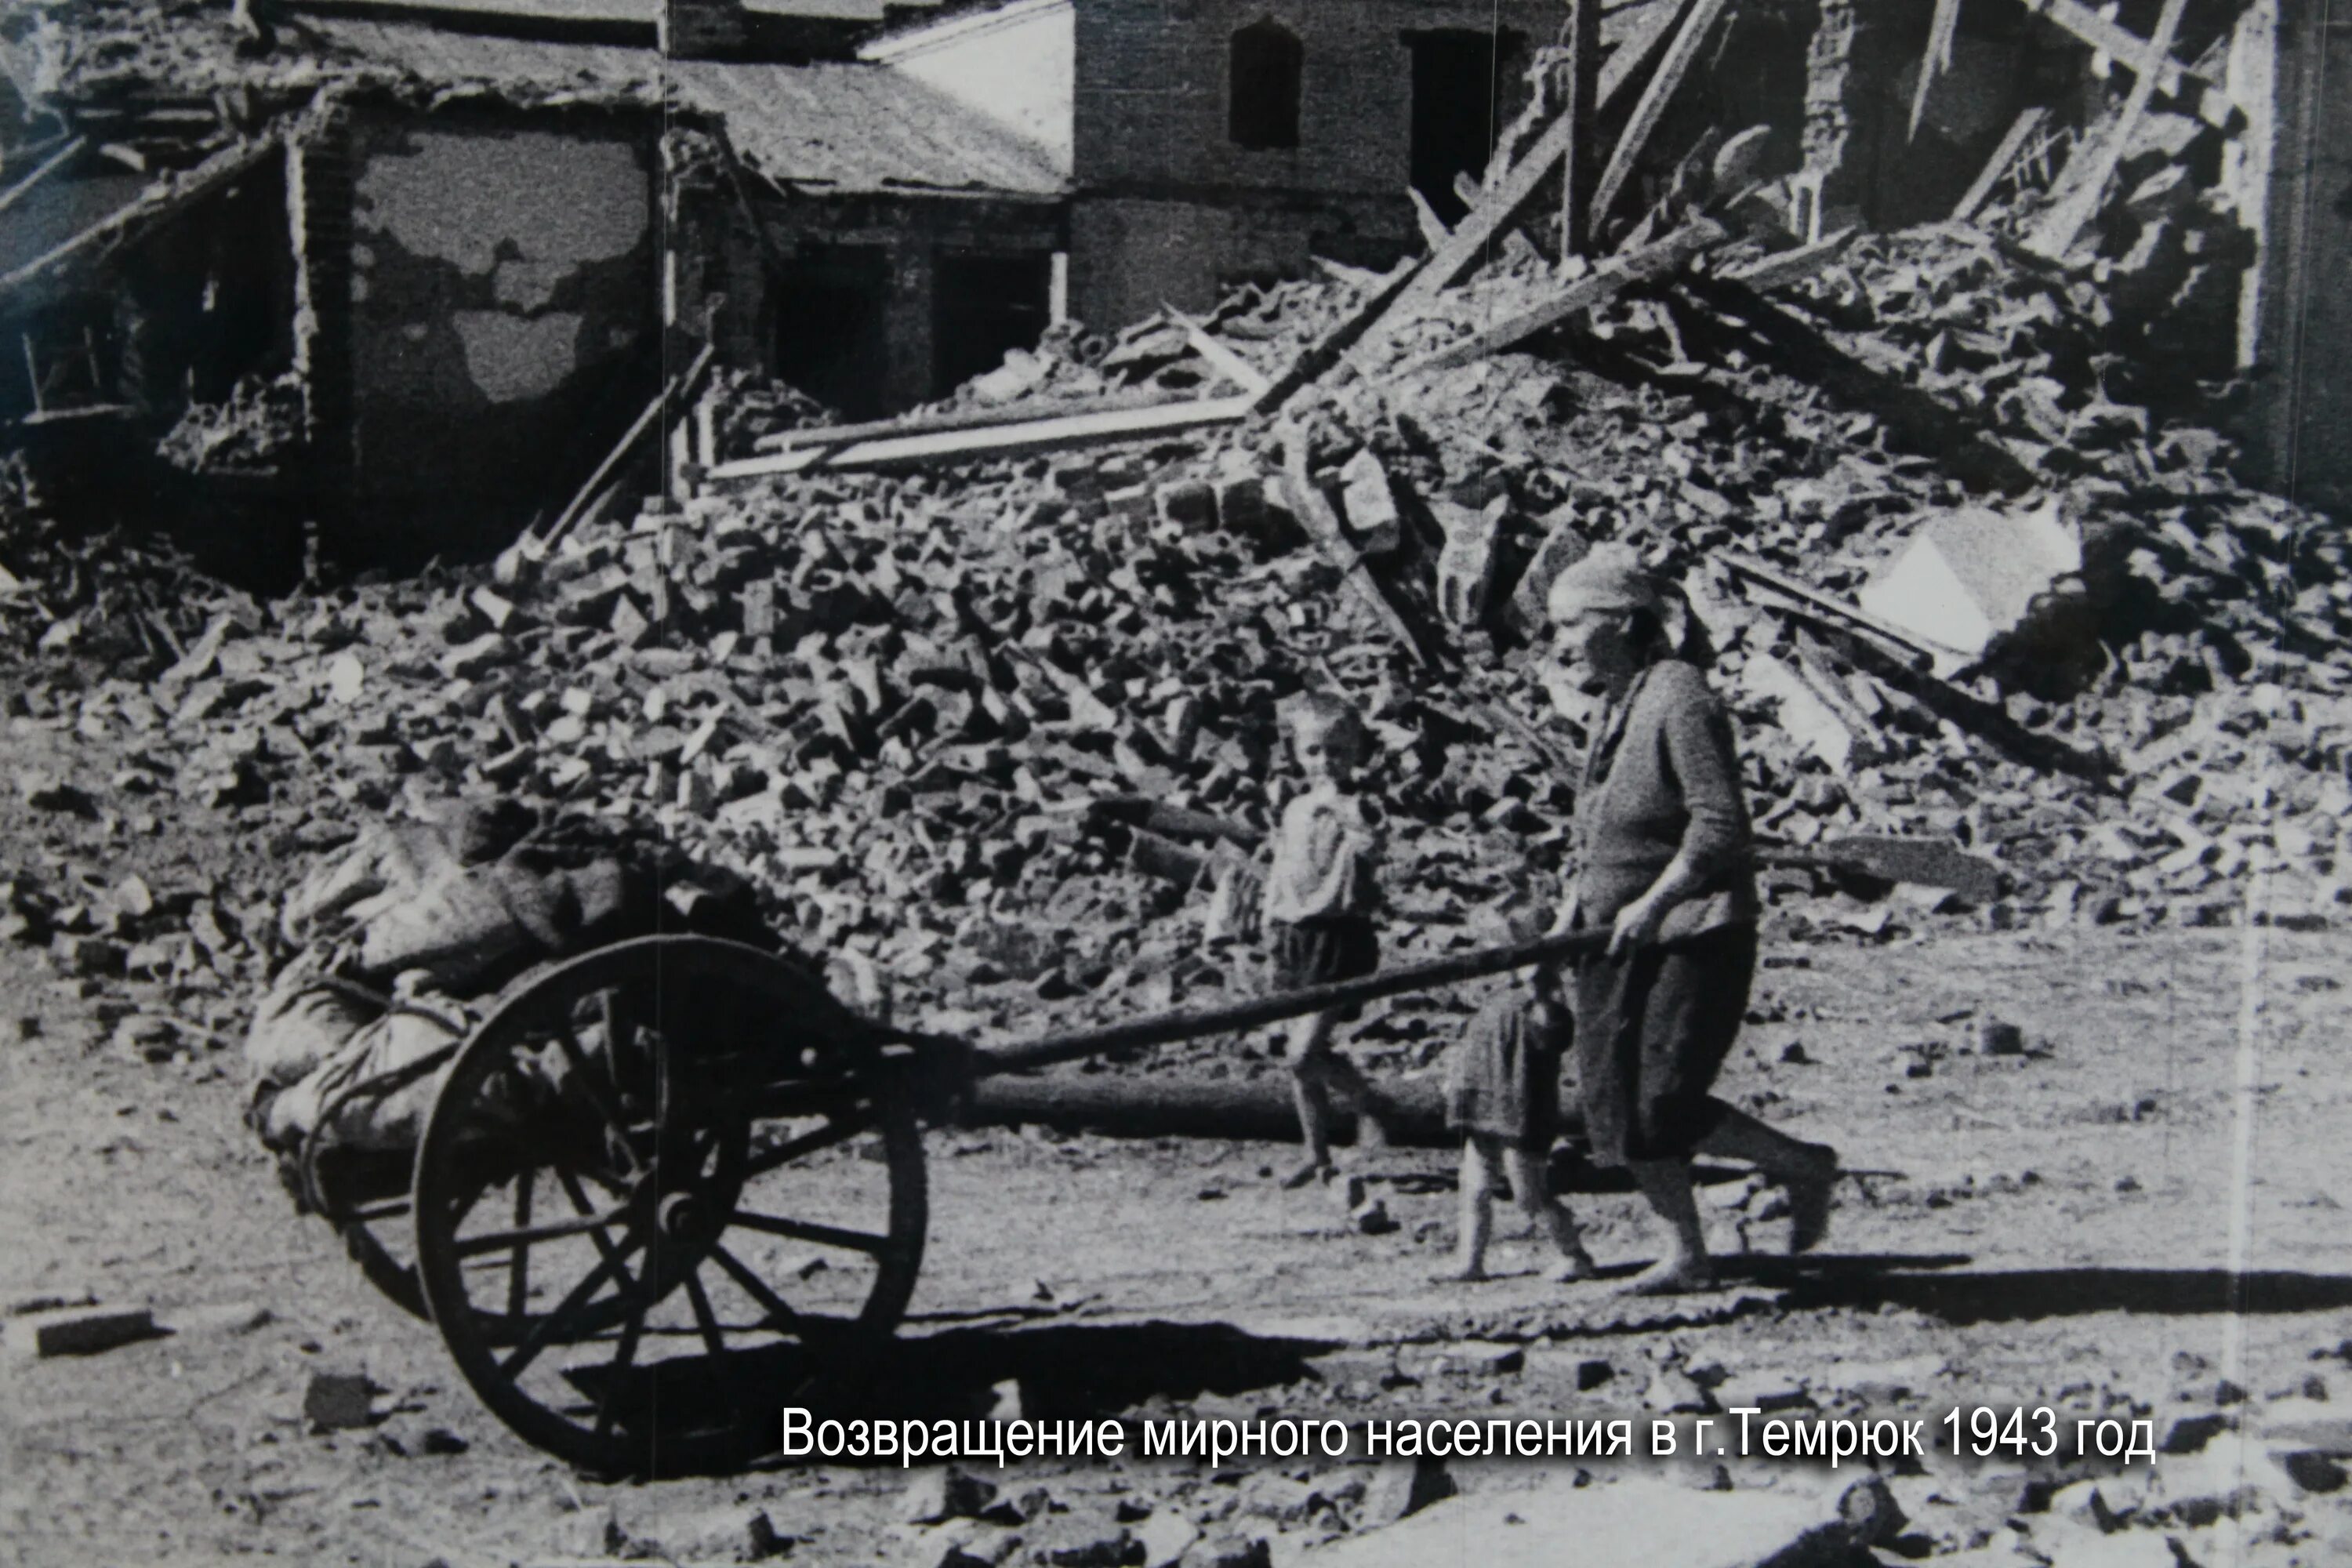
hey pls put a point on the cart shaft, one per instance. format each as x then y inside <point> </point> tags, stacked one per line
<point>1262,1010</point>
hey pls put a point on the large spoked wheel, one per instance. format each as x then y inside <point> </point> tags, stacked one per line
<point>667,1188</point>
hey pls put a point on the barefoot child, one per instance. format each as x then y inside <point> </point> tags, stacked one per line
<point>1321,890</point>
<point>1502,1092</point>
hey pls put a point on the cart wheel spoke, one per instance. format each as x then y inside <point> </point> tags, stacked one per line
<point>836,1132</point>
<point>780,1312</point>
<point>567,1311</point>
<point>617,1373</point>
<point>598,1092</point>
<point>519,1270</point>
<point>704,1318</point>
<point>522,1236</point>
<point>579,1200</point>
<point>807,1230</point>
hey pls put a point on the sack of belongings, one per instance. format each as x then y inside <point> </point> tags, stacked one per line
<point>405,937</point>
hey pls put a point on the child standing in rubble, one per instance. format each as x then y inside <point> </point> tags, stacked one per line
<point>1321,888</point>
<point>1502,1094</point>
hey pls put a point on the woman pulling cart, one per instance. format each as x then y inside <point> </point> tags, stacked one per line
<point>1664,864</point>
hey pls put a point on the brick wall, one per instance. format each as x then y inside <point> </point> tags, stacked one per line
<point>1150,114</point>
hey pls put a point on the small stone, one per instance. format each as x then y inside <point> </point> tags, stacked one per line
<point>1403,1486</point>
<point>945,1492</point>
<point>1232,1551</point>
<point>2312,1471</point>
<point>77,1331</point>
<point>1165,1537</point>
<point>1591,1375</point>
<point>339,1401</point>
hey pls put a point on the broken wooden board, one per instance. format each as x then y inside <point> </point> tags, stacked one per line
<point>1506,198</point>
<point>2003,157</point>
<point>158,203</point>
<point>2087,177</point>
<point>967,419</point>
<point>1941,32</point>
<point>56,160</point>
<point>678,391</point>
<point>1332,346</point>
<point>1652,105</point>
<point>1228,363</point>
<point>1944,659</point>
<point>1002,440</point>
<point>1597,287</point>
<point>1789,266</point>
<point>2207,100</point>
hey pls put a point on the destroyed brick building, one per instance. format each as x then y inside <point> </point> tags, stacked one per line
<point>466,230</point>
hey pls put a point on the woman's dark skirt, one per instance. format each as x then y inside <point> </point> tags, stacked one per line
<point>1652,1028</point>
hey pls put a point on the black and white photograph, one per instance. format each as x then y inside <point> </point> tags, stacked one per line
<point>1176,783</point>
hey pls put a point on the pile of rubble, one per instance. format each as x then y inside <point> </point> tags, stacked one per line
<point>1955,587</point>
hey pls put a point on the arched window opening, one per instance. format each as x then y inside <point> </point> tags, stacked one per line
<point>1267,66</point>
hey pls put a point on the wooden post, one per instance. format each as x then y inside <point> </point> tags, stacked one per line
<point>1652,105</point>
<point>1581,85</point>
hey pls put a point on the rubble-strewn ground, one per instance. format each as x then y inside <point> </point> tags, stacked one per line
<point>2058,1232</point>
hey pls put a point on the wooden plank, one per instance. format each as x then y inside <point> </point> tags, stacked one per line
<point>157,203</point>
<point>1792,265</point>
<point>1597,287</point>
<point>967,419</point>
<point>1375,307</point>
<point>2087,187</point>
<point>1434,232</point>
<point>1580,106</point>
<point>2205,98</point>
<point>1009,439</point>
<point>1651,107</point>
<point>1231,365</point>
<point>1941,31</point>
<point>679,387</point>
<point>57,160</point>
<point>2003,156</point>
<point>1750,567</point>
<point>1322,524</point>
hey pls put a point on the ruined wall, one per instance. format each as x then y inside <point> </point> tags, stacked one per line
<point>1169,205</point>
<point>877,258</point>
<point>1129,256</point>
<point>2301,436</point>
<point>1152,98</point>
<point>502,277</point>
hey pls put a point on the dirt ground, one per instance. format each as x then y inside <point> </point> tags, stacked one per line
<point>2046,1228</point>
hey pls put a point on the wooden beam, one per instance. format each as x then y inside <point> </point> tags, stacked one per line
<point>1229,364</point>
<point>1652,105</point>
<point>1580,106</point>
<point>1327,351</point>
<point>679,386</point>
<point>967,419</point>
<point>1434,232</point>
<point>1941,31</point>
<point>1011,438</point>
<point>158,203</point>
<point>1944,659</point>
<point>2004,158</point>
<point>1313,514</point>
<point>2207,100</point>
<point>1601,284</point>
<point>2087,177</point>
<point>1792,265</point>
<point>9,197</point>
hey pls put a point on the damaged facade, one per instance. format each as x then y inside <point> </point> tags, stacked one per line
<point>500,222</point>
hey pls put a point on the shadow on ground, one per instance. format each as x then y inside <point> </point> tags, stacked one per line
<point>1942,1288</point>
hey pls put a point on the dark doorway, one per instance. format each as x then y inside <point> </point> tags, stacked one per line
<point>1459,108</point>
<point>983,307</point>
<point>831,341</point>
